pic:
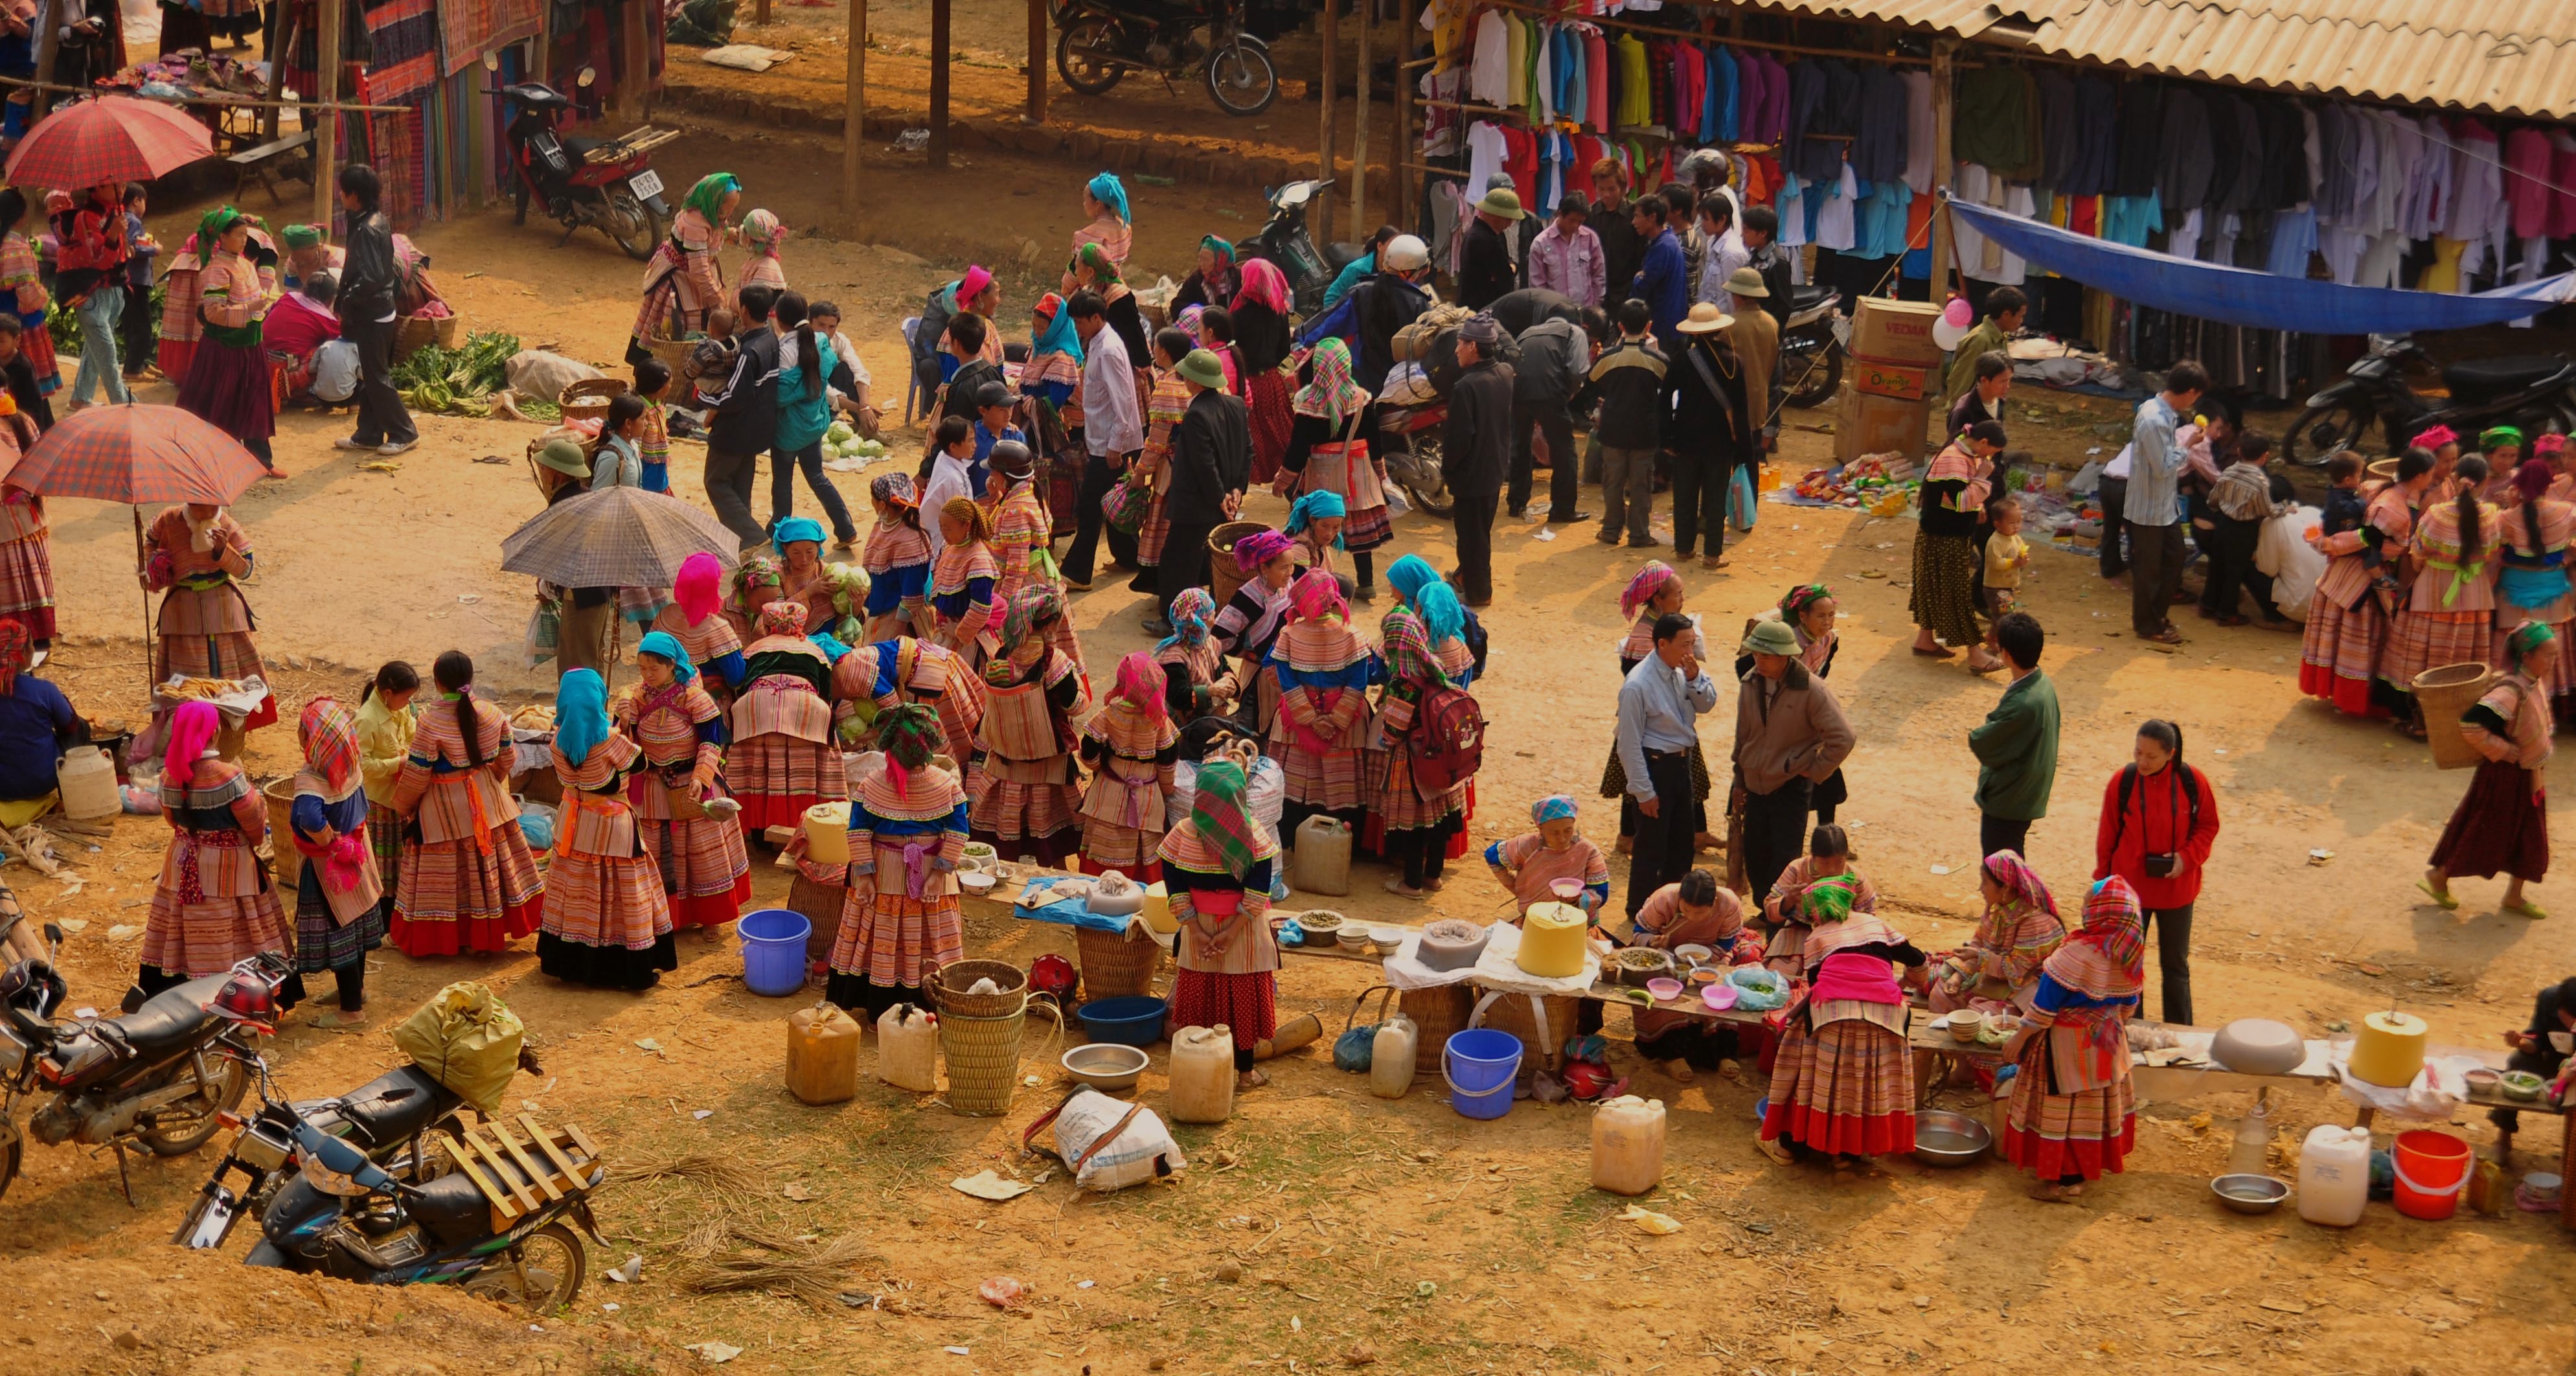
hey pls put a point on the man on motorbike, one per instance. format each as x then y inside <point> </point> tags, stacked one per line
<point>1377,308</point>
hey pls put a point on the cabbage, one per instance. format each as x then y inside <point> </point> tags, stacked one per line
<point>840,432</point>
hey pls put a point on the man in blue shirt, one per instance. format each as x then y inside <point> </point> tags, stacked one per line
<point>1663,277</point>
<point>1660,705</point>
<point>2153,509</point>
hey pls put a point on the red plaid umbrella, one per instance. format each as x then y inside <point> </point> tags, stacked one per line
<point>110,139</point>
<point>137,454</point>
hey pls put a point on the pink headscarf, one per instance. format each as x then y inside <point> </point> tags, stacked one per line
<point>1259,548</point>
<point>2438,436</point>
<point>1319,595</point>
<point>699,588</point>
<point>1263,282</point>
<point>1140,684</point>
<point>192,729</point>
<point>971,286</point>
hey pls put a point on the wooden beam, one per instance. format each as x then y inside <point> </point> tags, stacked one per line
<point>854,113</point>
<point>49,48</point>
<point>1328,82</point>
<point>760,12</point>
<point>1943,109</point>
<point>635,60</point>
<point>1037,63</point>
<point>274,21</point>
<point>1359,132</point>
<point>1410,16</point>
<point>326,133</point>
<point>939,18</point>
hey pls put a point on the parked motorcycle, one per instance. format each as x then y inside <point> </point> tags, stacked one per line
<point>2535,392</point>
<point>1410,440</point>
<point>1811,346</point>
<point>385,1117</point>
<point>583,181</point>
<point>158,1077</point>
<point>1285,242</point>
<point>1100,41</point>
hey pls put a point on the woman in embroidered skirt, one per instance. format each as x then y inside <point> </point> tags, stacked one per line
<point>1453,634</point>
<point>1195,682</point>
<point>1027,798</point>
<point>897,559</point>
<point>1324,674</point>
<point>1247,627</point>
<point>695,617</point>
<point>468,883</point>
<point>213,905</point>
<point>1842,1080</point>
<point>340,898</point>
<point>1167,400</point>
<point>386,723</point>
<point>1331,420</point>
<point>764,235</point>
<point>1655,592</point>
<point>878,678</point>
<point>757,582</point>
<point>1020,524</point>
<point>1131,744</point>
<point>1784,908</point>
<point>1217,864</point>
<point>2348,618</point>
<point>1417,829</point>
<point>30,302</point>
<point>607,920</point>
<point>680,801</point>
<point>2502,823</point>
<point>2072,1114</point>
<point>2448,616</point>
<point>229,383</point>
<point>962,580</point>
<point>684,281</point>
<point>2531,584</point>
<point>907,832</point>
<point>2000,962</point>
<point>26,563</point>
<point>1945,549</point>
<point>1553,852</point>
<point>1260,313</point>
<point>782,760</point>
<point>205,626</point>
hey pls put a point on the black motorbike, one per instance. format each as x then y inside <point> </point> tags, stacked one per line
<point>387,1118</point>
<point>1286,243</point>
<point>2535,392</point>
<point>583,181</point>
<point>1100,41</point>
<point>1811,347</point>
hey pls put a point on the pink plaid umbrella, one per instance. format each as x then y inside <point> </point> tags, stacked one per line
<point>110,139</point>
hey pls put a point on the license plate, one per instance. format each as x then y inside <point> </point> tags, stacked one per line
<point>645,184</point>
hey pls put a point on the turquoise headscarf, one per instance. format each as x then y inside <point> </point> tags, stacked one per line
<point>667,645</point>
<point>1316,506</point>
<point>793,529</point>
<point>1419,584</point>
<point>1059,337</point>
<point>1111,192</point>
<point>581,713</point>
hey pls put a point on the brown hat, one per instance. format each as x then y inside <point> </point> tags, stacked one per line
<point>1705,318</point>
<point>1746,282</point>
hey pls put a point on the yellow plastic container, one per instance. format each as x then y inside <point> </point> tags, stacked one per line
<point>827,833</point>
<point>1157,911</point>
<point>1552,941</point>
<point>2389,1049</point>
<point>1628,1145</point>
<point>822,1054</point>
<point>1202,1072</point>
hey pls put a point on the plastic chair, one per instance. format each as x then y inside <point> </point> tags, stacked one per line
<point>911,368</point>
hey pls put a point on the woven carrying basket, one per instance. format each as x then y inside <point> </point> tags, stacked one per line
<point>1224,575</point>
<point>1438,1012</point>
<point>287,865</point>
<point>983,1057</point>
<point>588,398</point>
<point>417,332</point>
<point>2441,695</point>
<point>674,353</point>
<point>821,904</point>
<point>1117,963</point>
<point>948,989</point>
<point>1541,1048</point>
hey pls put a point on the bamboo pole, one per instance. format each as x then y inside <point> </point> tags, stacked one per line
<point>636,79</point>
<point>1037,63</point>
<point>854,112</point>
<point>326,137</point>
<point>1943,110</point>
<point>1360,133</point>
<point>1328,136</point>
<point>939,17</point>
<point>231,102</point>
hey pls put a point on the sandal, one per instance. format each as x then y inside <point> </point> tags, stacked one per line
<point>2441,900</point>
<point>2524,907</point>
<point>1943,653</point>
<point>1778,1154</point>
<point>1401,890</point>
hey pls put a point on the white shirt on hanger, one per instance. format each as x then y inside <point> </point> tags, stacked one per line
<point>1834,220</point>
<point>1489,73</point>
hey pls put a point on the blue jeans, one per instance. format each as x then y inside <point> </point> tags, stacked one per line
<point>98,318</point>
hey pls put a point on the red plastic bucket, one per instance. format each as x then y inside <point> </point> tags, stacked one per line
<point>2432,1170</point>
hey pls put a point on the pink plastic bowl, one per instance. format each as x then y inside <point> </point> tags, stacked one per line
<point>1664,988</point>
<point>1719,996</point>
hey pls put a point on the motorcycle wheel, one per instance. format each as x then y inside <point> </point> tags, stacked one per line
<point>10,1152</point>
<point>1241,80</point>
<point>178,1132</point>
<point>1436,498</point>
<point>2321,430</point>
<point>1816,384</point>
<point>1078,57</point>
<point>629,225</point>
<point>554,1262</point>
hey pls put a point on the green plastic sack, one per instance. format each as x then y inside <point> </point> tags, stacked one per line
<point>467,1040</point>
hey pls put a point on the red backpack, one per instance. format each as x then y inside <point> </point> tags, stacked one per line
<point>1447,741</point>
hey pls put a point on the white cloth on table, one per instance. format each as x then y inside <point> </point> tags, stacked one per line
<point>1497,967</point>
<point>2436,1096</point>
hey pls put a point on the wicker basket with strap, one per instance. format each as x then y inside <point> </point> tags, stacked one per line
<point>1116,964</point>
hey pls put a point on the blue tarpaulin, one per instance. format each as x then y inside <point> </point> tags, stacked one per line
<point>2247,296</point>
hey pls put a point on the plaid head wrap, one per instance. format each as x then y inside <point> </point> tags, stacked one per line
<point>1330,392</point>
<point>1555,807</point>
<point>1830,899</point>
<point>782,618</point>
<point>329,734</point>
<point>1799,599</point>
<point>1406,648</point>
<point>2106,958</point>
<point>1224,822</point>
<point>1259,548</point>
<point>2023,882</point>
<point>1190,613</point>
<point>1140,684</point>
<point>1649,584</point>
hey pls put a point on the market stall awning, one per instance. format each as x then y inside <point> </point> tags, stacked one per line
<point>2248,296</point>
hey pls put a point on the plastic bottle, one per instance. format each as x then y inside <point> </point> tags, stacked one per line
<point>2251,1154</point>
<point>908,1049</point>
<point>1322,862</point>
<point>1391,1056</point>
<point>1628,1145</point>
<point>1202,1075</point>
<point>822,1054</point>
<point>2334,1175</point>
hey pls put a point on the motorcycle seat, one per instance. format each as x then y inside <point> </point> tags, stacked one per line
<point>2487,377</point>
<point>169,1019</point>
<point>1808,296</point>
<point>393,1106</point>
<point>580,147</point>
<point>453,1208</point>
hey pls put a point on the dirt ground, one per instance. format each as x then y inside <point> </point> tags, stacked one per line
<point>1398,1231</point>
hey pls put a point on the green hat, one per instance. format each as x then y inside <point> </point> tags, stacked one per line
<point>1502,201</point>
<point>301,236</point>
<point>1203,368</point>
<point>1771,638</point>
<point>563,456</point>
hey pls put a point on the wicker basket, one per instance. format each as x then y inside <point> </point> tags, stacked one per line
<point>588,398</point>
<point>674,353</point>
<point>821,904</point>
<point>983,1059</point>
<point>1542,1048</point>
<point>1224,575</point>
<point>948,989</point>
<point>417,332</point>
<point>288,863</point>
<point>1438,1012</point>
<point>2441,695</point>
<point>1115,964</point>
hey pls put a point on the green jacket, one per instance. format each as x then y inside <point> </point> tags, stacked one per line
<point>2017,751</point>
<point>1983,340</point>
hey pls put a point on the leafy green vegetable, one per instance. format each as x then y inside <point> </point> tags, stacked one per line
<point>458,380</point>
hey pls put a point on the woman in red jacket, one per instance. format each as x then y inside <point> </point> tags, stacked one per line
<point>2159,819</point>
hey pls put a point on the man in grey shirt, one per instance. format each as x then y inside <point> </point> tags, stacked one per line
<point>2153,507</point>
<point>1660,705</point>
<point>1790,735</point>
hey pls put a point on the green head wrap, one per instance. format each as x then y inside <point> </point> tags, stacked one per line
<point>212,227</point>
<point>2498,437</point>
<point>301,236</point>
<point>1830,899</point>
<point>707,197</point>
<point>1096,258</point>
<point>2527,637</point>
<point>1222,248</point>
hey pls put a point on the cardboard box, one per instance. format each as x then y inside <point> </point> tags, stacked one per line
<point>1880,378</point>
<point>1895,331</point>
<point>1870,424</point>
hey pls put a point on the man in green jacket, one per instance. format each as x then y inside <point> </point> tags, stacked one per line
<point>2006,308</point>
<point>2017,746</point>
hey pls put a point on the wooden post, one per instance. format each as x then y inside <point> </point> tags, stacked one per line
<point>634,78</point>
<point>1328,82</point>
<point>854,112</point>
<point>1409,16</point>
<point>760,12</point>
<point>1037,63</point>
<point>326,135</point>
<point>49,48</point>
<point>938,84</point>
<point>1942,110</point>
<point>1359,129</point>
<point>268,43</point>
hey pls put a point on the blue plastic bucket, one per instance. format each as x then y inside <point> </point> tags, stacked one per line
<point>773,950</point>
<point>1479,1064</point>
<point>1129,1019</point>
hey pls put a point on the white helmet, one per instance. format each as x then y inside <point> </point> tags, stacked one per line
<point>1404,253</point>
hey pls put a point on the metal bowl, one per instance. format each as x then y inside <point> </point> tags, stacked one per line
<point>2250,1194</point>
<point>1942,1138</point>
<point>1105,1065</point>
